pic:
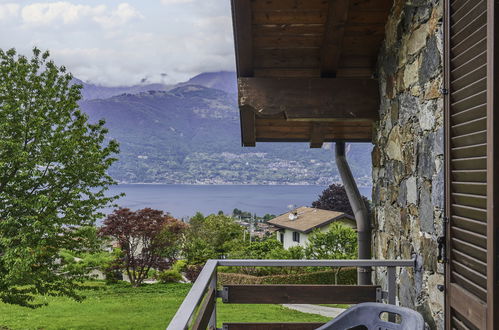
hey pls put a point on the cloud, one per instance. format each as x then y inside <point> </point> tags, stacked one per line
<point>55,12</point>
<point>174,2</point>
<point>9,11</point>
<point>64,12</point>
<point>121,15</point>
<point>126,40</point>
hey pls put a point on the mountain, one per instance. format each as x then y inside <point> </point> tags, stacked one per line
<point>222,80</point>
<point>91,91</point>
<point>190,134</point>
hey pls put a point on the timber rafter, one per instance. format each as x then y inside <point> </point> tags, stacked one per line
<point>310,98</point>
<point>333,37</point>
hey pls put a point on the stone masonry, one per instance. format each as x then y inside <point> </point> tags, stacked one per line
<point>408,169</point>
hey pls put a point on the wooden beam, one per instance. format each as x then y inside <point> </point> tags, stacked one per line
<point>328,136</point>
<point>281,130</point>
<point>316,136</point>
<point>301,294</point>
<point>271,326</point>
<point>241,22</point>
<point>248,132</point>
<point>311,98</point>
<point>270,5</point>
<point>330,124</point>
<point>333,37</point>
<point>287,72</point>
<point>289,16</point>
<point>205,311</point>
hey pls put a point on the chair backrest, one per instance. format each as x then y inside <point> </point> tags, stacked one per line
<point>368,315</point>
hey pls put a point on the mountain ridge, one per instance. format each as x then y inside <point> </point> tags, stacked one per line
<point>221,80</point>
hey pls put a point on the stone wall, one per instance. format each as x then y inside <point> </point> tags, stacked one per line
<point>408,177</point>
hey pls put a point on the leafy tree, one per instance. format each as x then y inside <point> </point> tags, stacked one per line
<point>172,239</point>
<point>143,237</point>
<point>334,198</point>
<point>269,248</point>
<point>237,213</point>
<point>268,217</point>
<point>85,262</point>
<point>339,242</point>
<point>211,237</point>
<point>297,252</point>
<point>94,257</point>
<point>53,178</point>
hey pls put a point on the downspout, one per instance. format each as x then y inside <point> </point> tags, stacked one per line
<point>359,211</point>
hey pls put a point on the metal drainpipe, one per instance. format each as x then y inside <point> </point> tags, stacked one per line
<point>359,211</point>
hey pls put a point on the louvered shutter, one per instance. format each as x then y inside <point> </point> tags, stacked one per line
<point>471,275</point>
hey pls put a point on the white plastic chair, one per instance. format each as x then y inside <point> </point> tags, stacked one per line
<point>368,316</point>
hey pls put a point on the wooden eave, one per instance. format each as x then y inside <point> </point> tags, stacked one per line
<point>306,68</point>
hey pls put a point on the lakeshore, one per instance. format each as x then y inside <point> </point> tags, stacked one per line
<point>185,200</point>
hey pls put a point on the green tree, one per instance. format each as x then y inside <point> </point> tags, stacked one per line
<point>211,237</point>
<point>53,178</point>
<point>268,217</point>
<point>335,198</point>
<point>267,249</point>
<point>85,262</point>
<point>339,242</point>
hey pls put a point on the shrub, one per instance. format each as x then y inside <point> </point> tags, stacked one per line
<point>113,275</point>
<point>345,276</point>
<point>168,276</point>
<point>179,266</point>
<point>192,272</point>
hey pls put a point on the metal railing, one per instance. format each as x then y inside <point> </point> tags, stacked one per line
<point>198,309</point>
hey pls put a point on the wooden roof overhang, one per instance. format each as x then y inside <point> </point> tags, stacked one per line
<point>306,68</point>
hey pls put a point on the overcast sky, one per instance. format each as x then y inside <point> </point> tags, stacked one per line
<point>116,42</point>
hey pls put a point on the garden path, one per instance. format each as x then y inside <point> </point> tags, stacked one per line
<point>316,309</point>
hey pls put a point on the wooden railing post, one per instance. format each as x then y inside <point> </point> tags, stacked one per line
<point>212,325</point>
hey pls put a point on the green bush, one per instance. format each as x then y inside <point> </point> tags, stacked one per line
<point>169,276</point>
<point>179,266</point>
<point>263,271</point>
<point>345,276</point>
<point>113,275</point>
<point>192,272</point>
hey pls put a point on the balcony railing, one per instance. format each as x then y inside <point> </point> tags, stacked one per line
<point>198,310</point>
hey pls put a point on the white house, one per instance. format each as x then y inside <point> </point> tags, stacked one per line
<point>296,225</point>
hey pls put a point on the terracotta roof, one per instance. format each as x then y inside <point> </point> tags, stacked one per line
<point>309,219</point>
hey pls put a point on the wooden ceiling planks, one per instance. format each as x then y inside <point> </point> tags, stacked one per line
<point>309,39</point>
<point>333,37</point>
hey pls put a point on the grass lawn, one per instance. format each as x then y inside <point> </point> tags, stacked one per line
<point>123,307</point>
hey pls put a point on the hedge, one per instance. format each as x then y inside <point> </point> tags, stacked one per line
<point>347,275</point>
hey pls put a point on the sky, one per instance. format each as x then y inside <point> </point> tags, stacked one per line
<point>114,43</point>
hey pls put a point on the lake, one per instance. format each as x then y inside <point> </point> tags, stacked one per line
<point>185,200</point>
